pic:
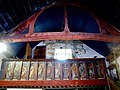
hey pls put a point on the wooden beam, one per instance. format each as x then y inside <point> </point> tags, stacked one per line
<point>66,29</point>
<point>53,82</point>
<point>28,51</point>
<point>61,36</point>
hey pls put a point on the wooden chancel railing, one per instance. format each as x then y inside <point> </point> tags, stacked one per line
<point>52,73</point>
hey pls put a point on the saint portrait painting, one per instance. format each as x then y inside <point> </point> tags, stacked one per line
<point>82,71</point>
<point>41,71</point>
<point>74,71</point>
<point>90,70</point>
<point>32,75</point>
<point>65,71</point>
<point>49,71</point>
<point>57,71</point>
<point>17,70</point>
<point>9,71</point>
<point>25,71</point>
<point>99,70</point>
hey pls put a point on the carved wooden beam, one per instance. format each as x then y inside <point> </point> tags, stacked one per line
<point>61,36</point>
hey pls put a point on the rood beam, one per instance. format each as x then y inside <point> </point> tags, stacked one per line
<point>61,36</point>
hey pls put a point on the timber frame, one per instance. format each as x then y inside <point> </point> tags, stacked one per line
<point>108,33</point>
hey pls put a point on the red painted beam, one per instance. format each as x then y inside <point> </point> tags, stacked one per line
<point>66,29</point>
<point>53,82</point>
<point>61,36</point>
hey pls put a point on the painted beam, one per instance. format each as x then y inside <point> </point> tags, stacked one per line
<point>60,36</point>
<point>66,29</point>
<point>53,82</point>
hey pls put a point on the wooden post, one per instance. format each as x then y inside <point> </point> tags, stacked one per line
<point>28,51</point>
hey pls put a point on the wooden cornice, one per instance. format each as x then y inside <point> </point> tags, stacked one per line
<point>16,35</point>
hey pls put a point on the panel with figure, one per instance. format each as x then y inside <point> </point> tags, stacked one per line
<point>49,71</point>
<point>74,71</point>
<point>25,71</point>
<point>57,70</point>
<point>82,71</point>
<point>99,70</point>
<point>17,70</point>
<point>65,71</point>
<point>33,73</point>
<point>9,70</point>
<point>114,74</point>
<point>90,70</point>
<point>40,70</point>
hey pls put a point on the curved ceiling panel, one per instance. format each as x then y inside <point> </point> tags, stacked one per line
<point>51,20</point>
<point>79,20</point>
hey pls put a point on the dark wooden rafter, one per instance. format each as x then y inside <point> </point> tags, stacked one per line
<point>16,35</point>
